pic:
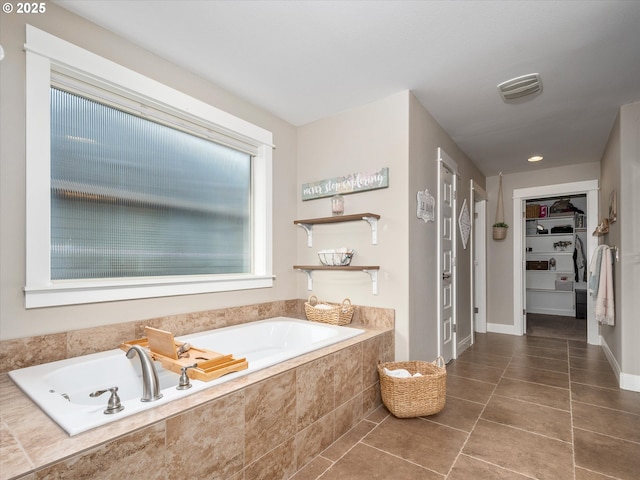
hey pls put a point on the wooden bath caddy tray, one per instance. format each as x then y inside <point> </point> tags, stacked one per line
<point>163,348</point>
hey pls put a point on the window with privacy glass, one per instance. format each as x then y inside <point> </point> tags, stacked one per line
<point>135,189</point>
<point>131,197</point>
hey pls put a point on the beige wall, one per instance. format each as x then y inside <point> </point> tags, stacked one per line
<point>629,218</point>
<point>395,132</point>
<point>620,171</point>
<point>609,181</point>
<point>426,136</point>
<point>17,322</point>
<point>362,139</point>
<point>500,253</point>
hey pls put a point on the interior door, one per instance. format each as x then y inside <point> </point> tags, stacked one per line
<point>446,250</point>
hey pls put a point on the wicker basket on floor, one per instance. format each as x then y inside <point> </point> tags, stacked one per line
<point>414,396</point>
<point>325,312</point>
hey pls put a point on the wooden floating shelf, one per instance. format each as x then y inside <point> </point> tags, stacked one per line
<point>372,270</point>
<point>371,218</point>
<point>329,267</point>
<point>337,219</point>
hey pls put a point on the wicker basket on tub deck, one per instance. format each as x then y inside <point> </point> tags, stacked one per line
<point>414,396</point>
<point>325,312</point>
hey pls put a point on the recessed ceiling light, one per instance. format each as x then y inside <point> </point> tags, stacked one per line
<point>535,158</point>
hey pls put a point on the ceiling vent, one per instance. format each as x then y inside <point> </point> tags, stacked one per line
<point>520,87</point>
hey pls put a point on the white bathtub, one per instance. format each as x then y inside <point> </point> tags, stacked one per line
<point>62,388</point>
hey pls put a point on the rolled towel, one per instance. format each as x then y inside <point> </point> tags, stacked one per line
<point>401,373</point>
<point>398,373</point>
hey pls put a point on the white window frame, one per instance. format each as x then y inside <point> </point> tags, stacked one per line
<point>45,54</point>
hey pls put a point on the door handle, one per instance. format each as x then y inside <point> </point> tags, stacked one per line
<point>446,276</point>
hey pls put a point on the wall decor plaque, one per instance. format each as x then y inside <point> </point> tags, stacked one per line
<point>353,183</point>
<point>464,223</point>
<point>426,206</point>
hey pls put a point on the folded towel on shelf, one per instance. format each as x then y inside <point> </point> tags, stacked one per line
<point>605,305</point>
<point>401,373</point>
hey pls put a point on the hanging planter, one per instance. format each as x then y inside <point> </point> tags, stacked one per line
<point>500,231</point>
<point>500,228</point>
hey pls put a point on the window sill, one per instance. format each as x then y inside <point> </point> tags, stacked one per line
<point>74,293</point>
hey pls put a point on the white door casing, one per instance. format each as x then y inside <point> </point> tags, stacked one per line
<point>478,260</point>
<point>523,269</point>
<point>588,187</point>
<point>447,182</point>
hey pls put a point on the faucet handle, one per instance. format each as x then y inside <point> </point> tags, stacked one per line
<point>185,382</point>
<point>113,405</point>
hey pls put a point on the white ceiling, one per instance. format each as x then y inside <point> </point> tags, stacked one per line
<point>305,60</point>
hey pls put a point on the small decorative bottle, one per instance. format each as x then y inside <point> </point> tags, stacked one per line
<point>337,205</point>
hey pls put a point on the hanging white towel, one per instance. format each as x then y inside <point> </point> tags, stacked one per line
<point>605,305</point>
<point>594,270</point>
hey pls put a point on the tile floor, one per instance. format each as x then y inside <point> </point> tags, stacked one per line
<point>557,326</point>
<point>517,408</point>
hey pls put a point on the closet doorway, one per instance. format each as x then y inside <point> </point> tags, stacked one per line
<point>556,267</point>
<point>529,285</point>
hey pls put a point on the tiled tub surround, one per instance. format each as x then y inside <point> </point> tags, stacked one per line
<point>64,389</point>
<point>267,424</point>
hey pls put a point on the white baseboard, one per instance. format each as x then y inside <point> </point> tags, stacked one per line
<point>612,360</point>
<point>463,345</point>
<point>627,381</point>
<point>502,328</point>
<point>630,382</point>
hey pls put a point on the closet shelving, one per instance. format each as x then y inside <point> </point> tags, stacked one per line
<point>544,295</point>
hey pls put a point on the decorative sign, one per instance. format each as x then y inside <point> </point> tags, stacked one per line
<point>354,183</point>
<point>464,222</point>
<point>426,206</point>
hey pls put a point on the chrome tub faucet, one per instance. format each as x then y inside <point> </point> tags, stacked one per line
<point>150,382</point>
